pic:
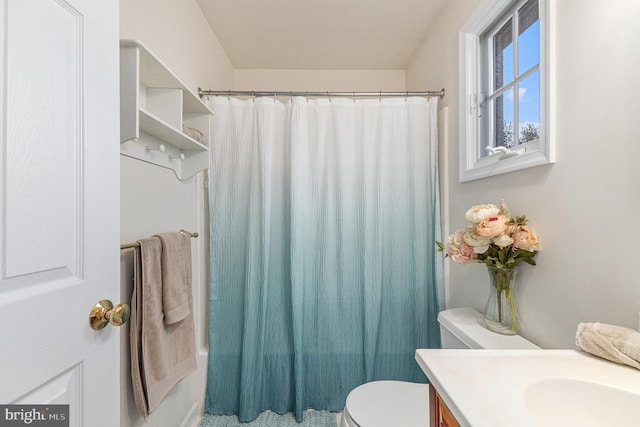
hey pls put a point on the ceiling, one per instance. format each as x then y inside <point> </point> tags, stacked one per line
<point>320,34</point>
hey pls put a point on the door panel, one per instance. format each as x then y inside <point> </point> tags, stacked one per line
<point>44,139</point>
<point>44,143</point>
<point>63,389</point>
<point>59,196</point>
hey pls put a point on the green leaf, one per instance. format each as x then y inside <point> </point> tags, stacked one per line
<point>521,220</point>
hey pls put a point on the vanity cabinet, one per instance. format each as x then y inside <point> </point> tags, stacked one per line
<point>440,415</point>
<point>161,121</point>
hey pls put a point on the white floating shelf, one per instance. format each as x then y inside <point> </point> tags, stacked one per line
<point>155,105</point>
<point>157,127</point>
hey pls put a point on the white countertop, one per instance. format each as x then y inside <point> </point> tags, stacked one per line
<point>492,388</point>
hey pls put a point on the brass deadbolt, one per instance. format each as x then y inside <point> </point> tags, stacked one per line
<point>104,313</point>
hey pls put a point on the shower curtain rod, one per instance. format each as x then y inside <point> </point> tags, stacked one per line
<point>428,94</point>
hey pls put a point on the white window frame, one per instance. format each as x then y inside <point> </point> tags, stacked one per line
<point>541,152</point>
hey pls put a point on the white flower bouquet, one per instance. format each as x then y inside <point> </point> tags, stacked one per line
<point>493,237</point>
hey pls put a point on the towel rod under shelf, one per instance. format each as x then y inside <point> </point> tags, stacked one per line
<point>137,244</point>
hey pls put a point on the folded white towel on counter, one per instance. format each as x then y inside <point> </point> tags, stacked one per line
<point>614,343</point>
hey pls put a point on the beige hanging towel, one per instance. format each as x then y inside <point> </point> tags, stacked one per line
<point>135,329</point>
<point>176,276</point>
<point>614,343</point>
<point>166,351</point>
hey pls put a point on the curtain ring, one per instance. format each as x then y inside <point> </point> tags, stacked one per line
<point>229,95</point>
<point>380,96</point>
<point>307,96</point>
<point>406,96</point>
<point>253,96</point>
<point>354,96</point>
<point>329,96</point>
<point>274,96</point>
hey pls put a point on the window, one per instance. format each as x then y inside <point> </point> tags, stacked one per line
<point>506,88</point>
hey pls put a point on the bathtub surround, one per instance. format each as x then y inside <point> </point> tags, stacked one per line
<point>324,271</point>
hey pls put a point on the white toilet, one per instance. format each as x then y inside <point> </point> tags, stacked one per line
<point>399,403</point>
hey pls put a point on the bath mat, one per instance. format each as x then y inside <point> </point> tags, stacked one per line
<point>271,419</point>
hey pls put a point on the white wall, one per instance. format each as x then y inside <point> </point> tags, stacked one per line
<point>320,80</point>
<point>584,207</point>
<point>153,200</point>
<point>178,33</point>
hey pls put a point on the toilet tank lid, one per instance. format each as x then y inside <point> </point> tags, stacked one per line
<point>467,325</point>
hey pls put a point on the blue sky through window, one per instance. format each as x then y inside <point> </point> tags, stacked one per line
<point>529,89</point>
<point>514,78</point>
<point>529,55</point>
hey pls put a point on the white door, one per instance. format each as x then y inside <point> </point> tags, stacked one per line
<point>59,205</point>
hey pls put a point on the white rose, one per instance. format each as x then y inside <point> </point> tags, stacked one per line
<point>478,243</point>
<point>503,240</point>
<point>480,212</point>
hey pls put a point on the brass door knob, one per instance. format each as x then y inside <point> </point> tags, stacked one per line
<point>104,313</point>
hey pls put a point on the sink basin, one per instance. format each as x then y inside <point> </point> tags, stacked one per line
<point>574,402</point>
<point>533,388</point>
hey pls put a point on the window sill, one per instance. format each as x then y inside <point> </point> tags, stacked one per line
<point>528,156</point>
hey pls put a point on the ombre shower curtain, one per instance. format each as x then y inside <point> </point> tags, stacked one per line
<point>324,273</point>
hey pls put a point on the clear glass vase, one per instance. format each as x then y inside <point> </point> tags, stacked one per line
<point>501,311</point>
